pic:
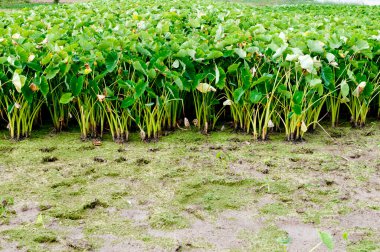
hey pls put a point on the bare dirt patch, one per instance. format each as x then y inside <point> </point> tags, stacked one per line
<point>221,234</point>
<point>114,244</point>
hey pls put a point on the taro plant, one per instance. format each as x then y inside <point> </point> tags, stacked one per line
<point>146,68</point>
<point>58,111</point>
<point>118,119</point>
<point>205,101</point>
<point>84,105</point>
<point>362,94</point>
<point>21,105</point>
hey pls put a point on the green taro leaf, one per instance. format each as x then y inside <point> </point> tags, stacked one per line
<point>35,66</point>
<point>233,68</point>
<point>262,79</point>
<point>214,55</point>
<point>140,88</point>
<point>66,98</point>
<point>328,77</point>
<point>138,66</point>
<point>297,109</point>
<point>76,85</point>
<point>109,92</point>
<point>126,103</point>
<point>51,71</point>
<point>45,60</point>
<point>43,85</point>
<point>152,73</point>
<point>237,94</point>
<point>317,84</point>
<point>143,51</point>
<point>297,97</point>
<point>27,93</point>
<point>255,96</point>
<point>240,52</point>
<point>368,89</point>
<point>111,61</point>
<point>327,239</point>
<point>178,82</point>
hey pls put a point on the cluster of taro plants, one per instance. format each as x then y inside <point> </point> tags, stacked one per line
<point>150,66</point>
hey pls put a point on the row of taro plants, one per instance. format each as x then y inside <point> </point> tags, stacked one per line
<point>150,65</point>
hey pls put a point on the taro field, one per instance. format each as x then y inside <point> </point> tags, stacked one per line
<point>155,125</point>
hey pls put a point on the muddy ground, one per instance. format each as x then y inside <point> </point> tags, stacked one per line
<point>61,1</point>
<point>190,192</point>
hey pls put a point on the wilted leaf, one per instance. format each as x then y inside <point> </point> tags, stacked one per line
<point>315,46</point>
<point>344,88</point>
<point>205,88</point>
<point>306,62</point>
<point>18,81</point>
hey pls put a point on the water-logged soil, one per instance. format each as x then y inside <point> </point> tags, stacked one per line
<point>190,192</point>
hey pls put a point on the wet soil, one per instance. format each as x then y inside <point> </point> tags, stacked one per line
<point>193,192</point>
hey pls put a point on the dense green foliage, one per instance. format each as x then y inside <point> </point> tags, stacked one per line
<point>149,64</point>
<point>13,3</point>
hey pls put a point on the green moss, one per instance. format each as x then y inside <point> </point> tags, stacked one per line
<point>32,237</point>
<point>217,194</point>
<point>364,246</point>
<point>275,209</point>
<point>167,220</point>
<point>270,238</point>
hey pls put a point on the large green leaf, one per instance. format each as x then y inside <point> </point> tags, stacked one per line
<point>111,61</point>
<point>43,85</point>
<point>233,68</point>
<point>127,102</point>
<point>214,55</point>
<point>139,66</point>
<point>66,98</point>
<point>178,82</point>
<point>35,66</point>
<point>238,94</point>
<point>367,91</point>
<point>328,77</point>
<point>76,85</point>
<point>27,93</point>
<point>255,96</point>
<point>51,71</point>
<point>297,109</point>
<point>297,97</point>
<point>140,88</point>
<point>262,79</point>
<point>317,84</point>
